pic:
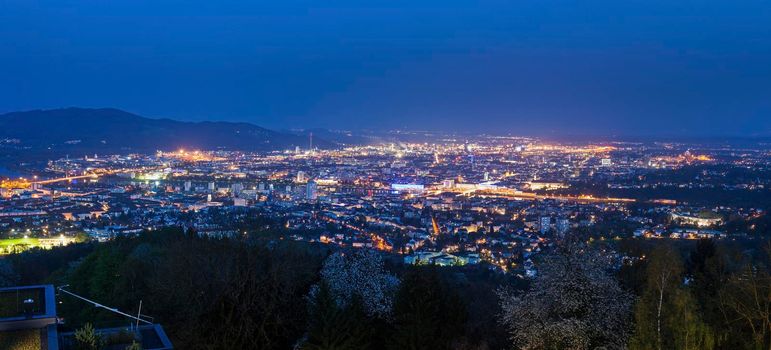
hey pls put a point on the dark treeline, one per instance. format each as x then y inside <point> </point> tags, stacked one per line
<point>694,196</point>
<point>259,294</point>
<point>276,294</point>
<point>724,186</point>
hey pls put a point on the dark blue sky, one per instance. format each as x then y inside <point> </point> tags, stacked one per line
<point>640,67</point>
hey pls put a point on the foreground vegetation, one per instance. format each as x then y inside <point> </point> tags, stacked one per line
<point>259,293</point>
<point>20,340</point>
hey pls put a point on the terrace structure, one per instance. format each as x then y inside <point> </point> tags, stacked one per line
<point>28,318</point>
<point>28,321</point>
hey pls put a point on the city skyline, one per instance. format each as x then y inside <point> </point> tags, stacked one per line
<point>386,174</point>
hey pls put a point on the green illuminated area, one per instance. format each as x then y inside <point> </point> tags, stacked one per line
<point>18,245</point>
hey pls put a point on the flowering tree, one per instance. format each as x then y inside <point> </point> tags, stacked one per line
<point>574,303</point>
<point>360,275</point>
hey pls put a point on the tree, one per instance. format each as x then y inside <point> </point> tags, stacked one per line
<point>666,316</point>
<point>708,272</point>
<point>86,338</point>
<point>333,327</point>
<point>208,294</point>
<point>8,276</point>
<point>360,274</point>
<point>134,346</point>
<point>235,297</point>
<point>428,314</point>
<point>663,274</point>
<point>746,302</point>
<point>574,303</point>
<point>686,324</point>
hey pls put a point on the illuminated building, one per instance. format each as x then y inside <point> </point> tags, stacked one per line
<point>542,185</point>
<point>563,225</point>
<point>412,188</point>
<point>311,191</point>
<point>544,224</point>
<point>696,220</point>
<point>236,188</point>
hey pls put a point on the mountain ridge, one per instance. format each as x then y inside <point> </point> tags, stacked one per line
<point>106,130</point>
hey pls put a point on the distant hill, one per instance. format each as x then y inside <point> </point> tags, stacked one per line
<point>78,131</point>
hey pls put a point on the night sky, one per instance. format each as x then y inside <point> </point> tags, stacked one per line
<point>615,67</point>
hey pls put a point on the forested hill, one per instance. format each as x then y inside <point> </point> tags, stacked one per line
<point>79,131</point>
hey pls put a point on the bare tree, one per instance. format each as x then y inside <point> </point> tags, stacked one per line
<point>746,300</point>
<point>663,274</point>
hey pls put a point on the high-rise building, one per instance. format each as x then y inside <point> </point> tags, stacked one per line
<point>212,186</point>
<point>544,223</point>
<point>236,188</point>
<point>606,162</point>
<point>188,186</point>
<point>563,225</point>
<point>301,177</point>
<point>311,191</point>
